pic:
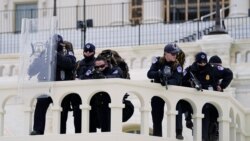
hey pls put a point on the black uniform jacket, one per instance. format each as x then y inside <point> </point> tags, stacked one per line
<point>176,72</point>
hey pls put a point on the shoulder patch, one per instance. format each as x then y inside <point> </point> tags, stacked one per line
<point>154,60</point>
<point>220,68</point>
<point>88,72</point>
<point>179,69</point>
<point>71,53</point>
<point>115,72</point>
<point>184,72</point>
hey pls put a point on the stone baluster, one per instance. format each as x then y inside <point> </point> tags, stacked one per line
<point>116,117</point>
<point>232,132</point>
<point>2,112</point>
<point>85,117</point>
<point>56,113</point>
<point>28,119</point>
<point>224,125</point>
<point>145,111</point>
<point>171,119</point>
<point>197,129</point>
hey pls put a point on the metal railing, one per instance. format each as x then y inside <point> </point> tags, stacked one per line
<point>142,34</point>
<point>117,30</point>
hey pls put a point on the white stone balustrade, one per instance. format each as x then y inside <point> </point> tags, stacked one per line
<point>233,117</point>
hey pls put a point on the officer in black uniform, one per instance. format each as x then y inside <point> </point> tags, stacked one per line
<point>156,73</point>
<point>71,102</point>
<point>206,74</point>
<point>100,112</point>
<point>87,62</point>
<point>223,78</point>
<point>64,71</point>
<point>224,75</point>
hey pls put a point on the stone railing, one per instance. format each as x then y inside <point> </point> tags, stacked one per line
<point>233,117</point>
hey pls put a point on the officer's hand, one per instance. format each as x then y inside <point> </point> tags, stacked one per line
<point>160,75</point>
<point>98,75</point>
<point>219,88</point>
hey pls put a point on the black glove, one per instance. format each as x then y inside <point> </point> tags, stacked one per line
<point>160,75</point>
<point>98,75</point>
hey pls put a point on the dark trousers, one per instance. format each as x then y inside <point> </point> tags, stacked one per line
<point>157,113</point>
<point>209,122</point>
<point>157,105</point>
<point>178,122</point>
<point>100,113</point>
<point>41,110</point>
<point>183,107</point>
<point>71,102</point>
<point>40,113</point>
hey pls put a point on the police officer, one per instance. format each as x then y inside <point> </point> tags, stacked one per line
<point>223,78</point>
<point>224,75</point>
<point>71,102</point>
<point>100,111</point>
<point>156,73</point>
<point>64,68</point>
<point>206,75</point>
<point>87,62</point>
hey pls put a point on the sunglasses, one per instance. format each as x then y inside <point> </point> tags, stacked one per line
<point>101,66</point>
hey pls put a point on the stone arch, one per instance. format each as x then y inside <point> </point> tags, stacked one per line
<point>210,125</point>
<point>5,99</point>
<point>10,112</point>
<point>1,70</point>
<point>238,57</point>
<point>143,62</point>
<point>248,57</point>
<point>184,106</point>
<point>99,103</point>
<point>132,63</point>
<point>11,70</point>
<point>71,102</point>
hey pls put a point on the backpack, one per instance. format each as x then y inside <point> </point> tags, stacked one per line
<point>115,59</point>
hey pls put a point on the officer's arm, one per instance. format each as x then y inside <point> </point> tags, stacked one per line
<point>226,78</point>
<point>153,71</point>
<point>88,74</point>
<point>186,77</point>
<point>115,73</point>
<point>176,78</point>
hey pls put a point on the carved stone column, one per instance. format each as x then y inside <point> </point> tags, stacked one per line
<point>85,118</point>
<point>232,132</point>
<point>224,129</point>
<point>197,126</point>
<point>171,119</point>
<point>2,112</point>
<point>116,117</point>
<point>145,120</point>
<point>28,119</point>
<point>56,113</point>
